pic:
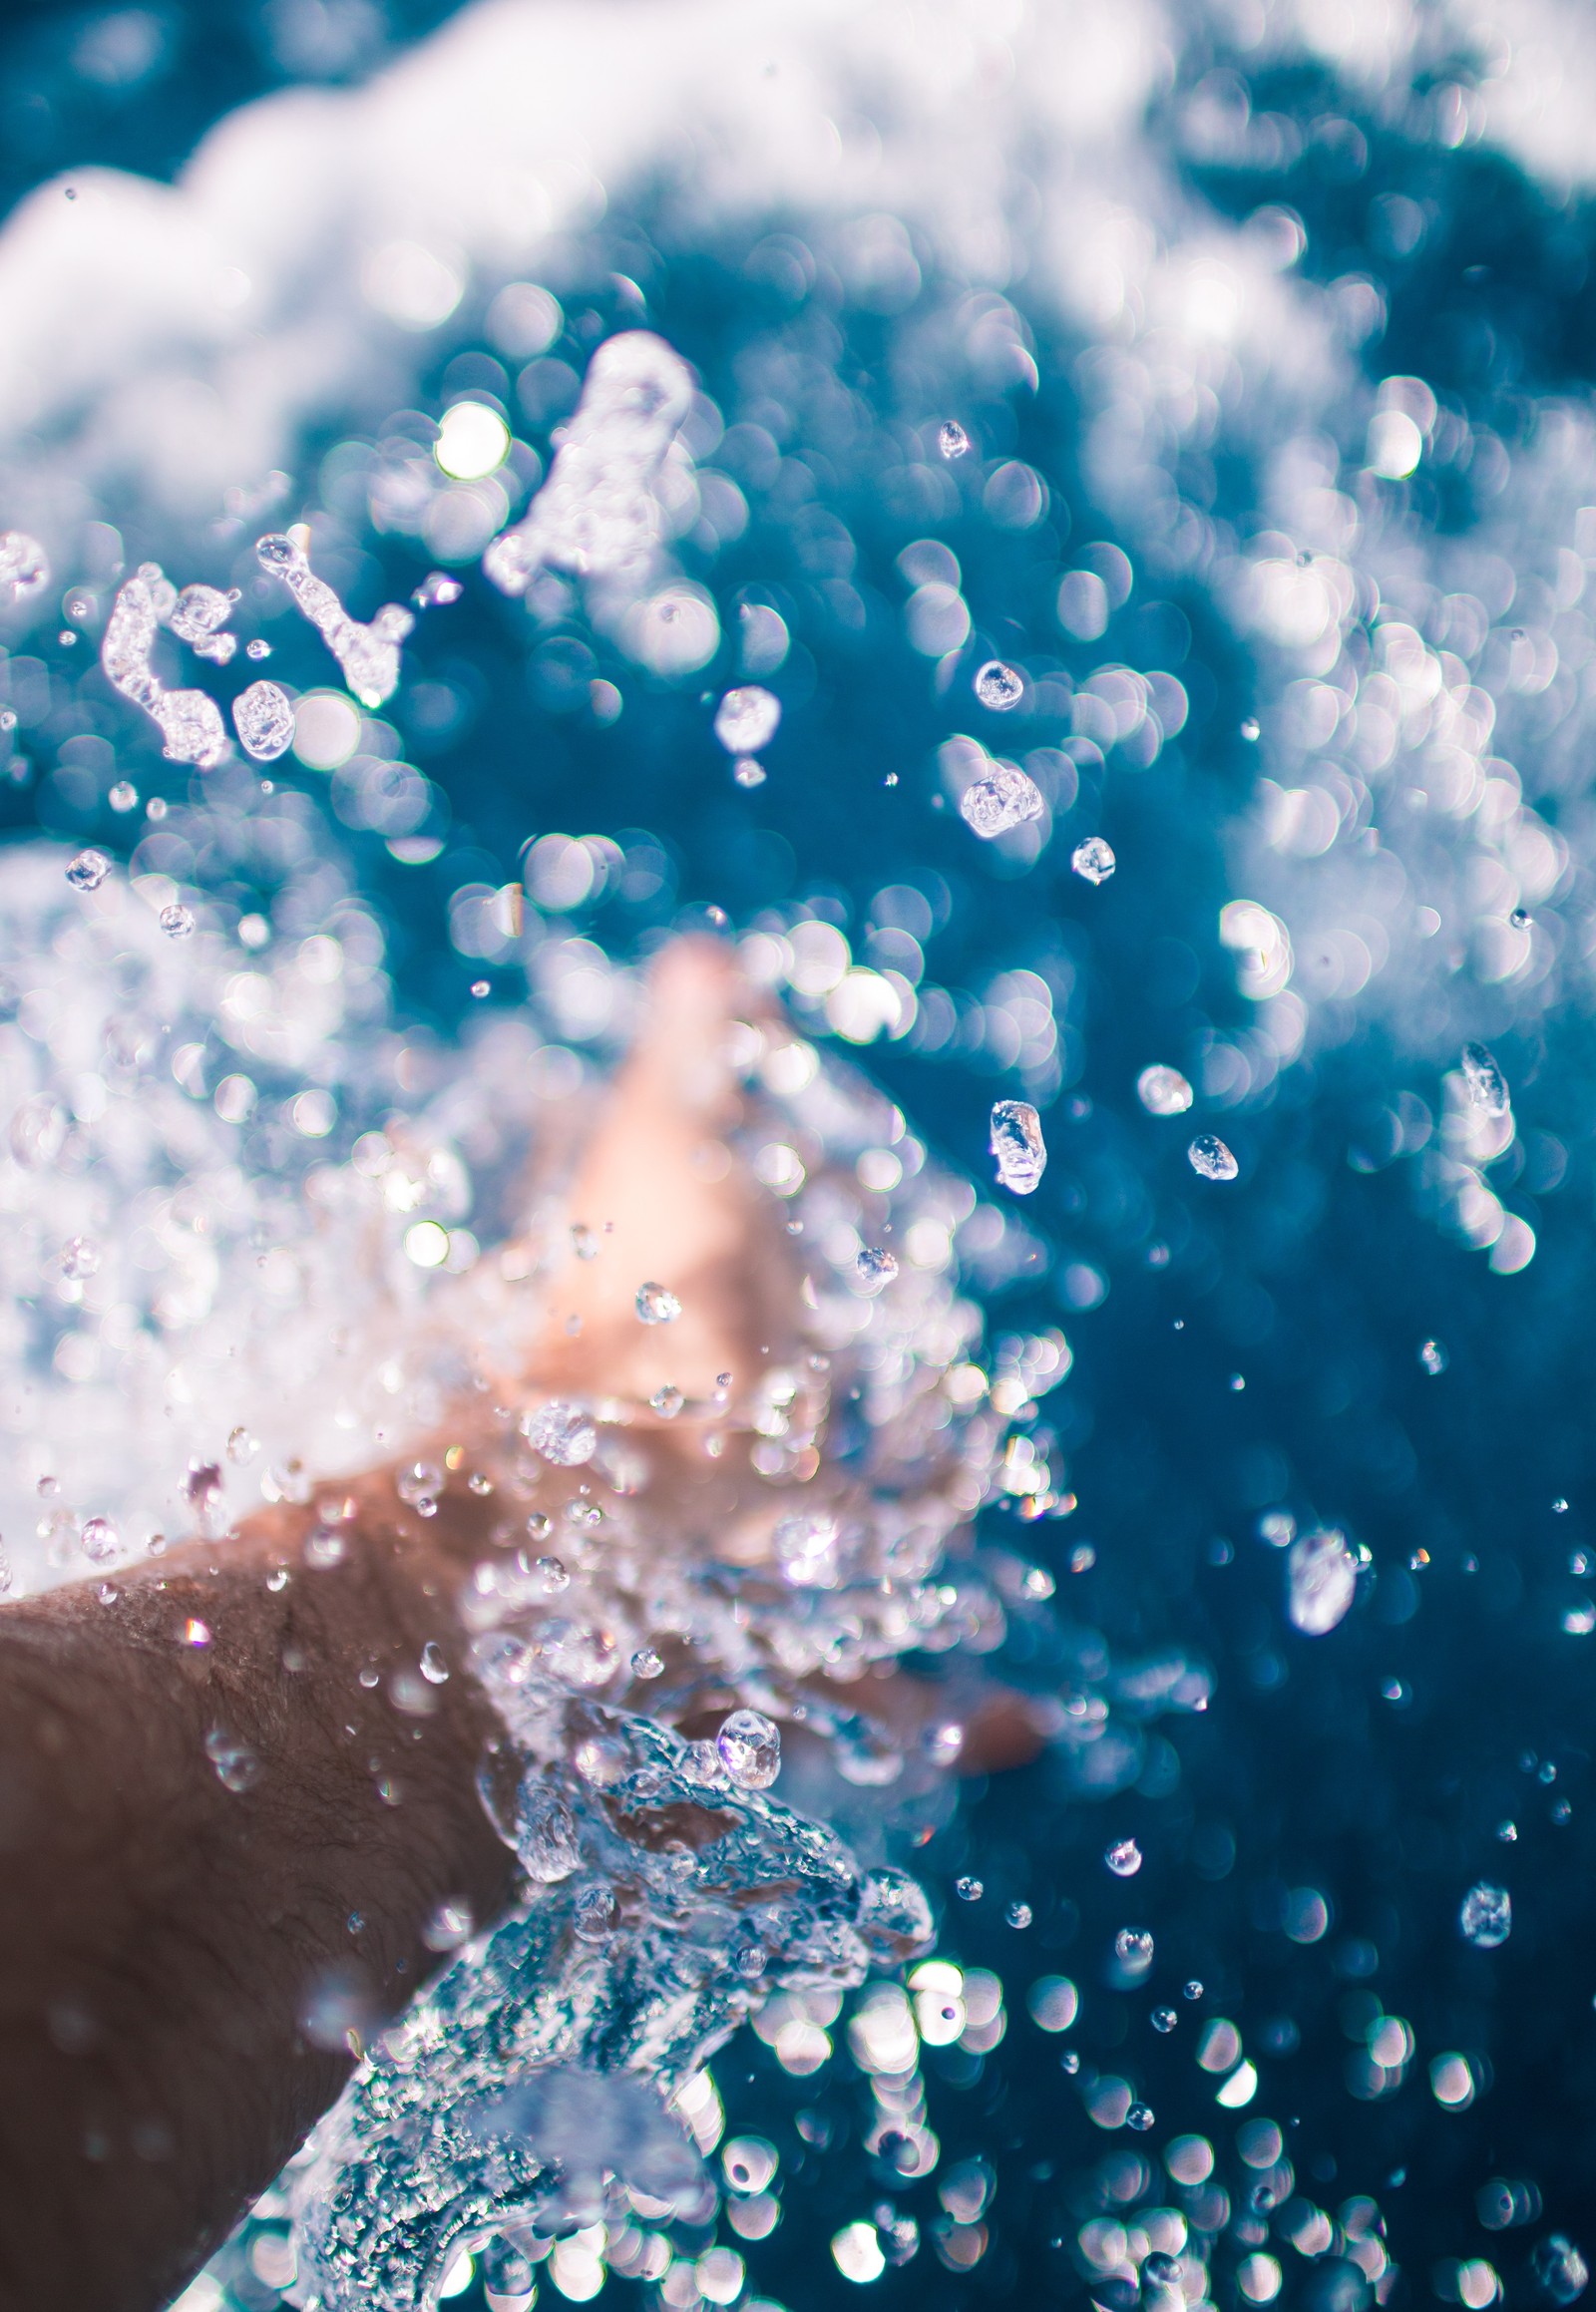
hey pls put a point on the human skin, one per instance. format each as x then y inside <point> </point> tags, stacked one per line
<point>186,1968</point>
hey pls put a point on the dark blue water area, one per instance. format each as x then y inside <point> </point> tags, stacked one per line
<point>1377,1764</point>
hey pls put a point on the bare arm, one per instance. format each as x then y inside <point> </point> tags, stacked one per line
<point>182,1958</point>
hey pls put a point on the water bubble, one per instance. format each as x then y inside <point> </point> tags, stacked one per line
<point>667,1402</point>
<point>1250,731</point>
<point>655,1305</point>
<point>1018,1914</point>
<point>1133,1948</point>
<point>969,1890</point>
<point>1432,1356</point>
<point>998,685</point>
<point>87,871</point>
<point>124,796</point>
<point>952,439</point>
<point>447,1925</point>
<point>237,1768</point>
<point>1018,1145</point>
<point>1094,861</point>
<point>80,1257</point>
<point>997,798</point>
<point>875,1270</point>
<point>747,719</point>
<point>750,1750</point>
<point>99,1540</point>
<point>1558,2269</point>
<point>1163,1091</point>
<point>1320,1581</point>
<point>262,716</point>
<point>595,1913</point>
<point>1211,1159</point>
<point>1164,2019</point>
<point>562,1433</point>
<point>1140,2117</point>
<point>1487,1086</point>
<point>434,1669</point>
<point>554,1575</point>
<point>1192,1990</point>
<point>176,920</point>
<point>1123,1858</point>
<point>1487,1915</point>
<point>419,1482</point>
<point>645,1663</point>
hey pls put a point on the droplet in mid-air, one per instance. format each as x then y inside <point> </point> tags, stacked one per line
<point>1487,1086</point>
<point>875,1270</point>
<point>656,1306</point>
<point>999,798</point>
<point>1560,2272</point>
<point>1432,1356</point>
<point>434,1669</point>
<point>1163,1091</point>
<point>1019,1915</point>
<point>87,871</point>
<point>998,685</point>
<point>176,920</point>
<point>1164,2019</point>
<point>1094,861</point>
<point>1123,1858</point>
<point>1018,1145</point>
<point>1320,1581</point>
<point>1250,731</point>
<point>124,796</point>
<point>1486,1916</point>
<point>645,1663</point>
<point>1210,1159</point>
<point>99,1540</point>
<point>747,772</point>
<point>750,1750</point>
<point>80,1257</point>
<point>1133,1948</point>
<point>667,1402</point>
<point>24,565</point>
<point>1140,2117</point>
<point>969,1890</point>
<point>747,718</point>
<point>952,439</point>
<point>436,590</point>
<point>262,716</point>
<point>560,1434</point>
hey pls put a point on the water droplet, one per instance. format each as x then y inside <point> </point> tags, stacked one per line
<point>1018,1914</point>
<point>1432,1356</point>
<point>805,1545</point>
<point>258,650</point>
<point>1094,861</point>
<point>1559,2269</point>
<point>124,796</point>
<point>237,1766</point>
<point>1069,2061</point>
<point>750,1750</point>
<point>583,1241</point>
<point>1134,1947</point>
<point>1163,1091</point>
<point>1320,1581</point>
<point>893,1910</point>
<point>1018,1145</point>
<point>1139,2116</point>
<point>998,685</point>
<point>1164,2019</point>
<point>593,1914</point>
<point>875,1270</point>
<point>176,921</point>
<point>262,716</point>
<point>1250,731</point>
<point>747,719</point>
<point>1192,1990</point>
<point>645,1663</point>
<point>1210,1159</point>
<point>655,1305</point>
<point>969,1890</point>
<point>480,988</point>
<point>436,590</point>
<point>99,1540</point>
<point>87,871</point>
<point>193,1633</point>
<point>1521,918</point>
<point>1487,1086</point>
<point>1560,1507</point>
<point>419,1482</point>
<point>952,439</point>
<point>552,1574</point>
<point>562,1433</point>
<point>434,1669</point>
<point>1487,1915</point>
<point>1123,1858</point>
<point>1000,797</point>
<point>1507,1833</point>
<point>667,1402</point>
<point>447,1925</point>
<point>324,1547</point>
<point>23,565</point>
<point>747,772</point>
<point>546,1835</point>
<point>79,1258</point>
